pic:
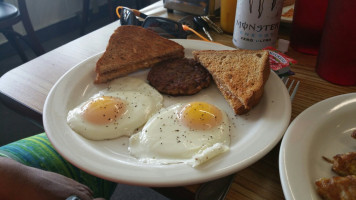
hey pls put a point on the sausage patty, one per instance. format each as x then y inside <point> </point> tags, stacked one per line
<point>179,77</point>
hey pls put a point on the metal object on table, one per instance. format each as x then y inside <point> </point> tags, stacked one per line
<point>212,24</point>
<point>292,84</point>
<point>195,7</point>
<point>217,189</point>
<point>203,25</point>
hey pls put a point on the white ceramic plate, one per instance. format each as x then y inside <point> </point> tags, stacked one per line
<point>253,134</point>
<point>324,129</point>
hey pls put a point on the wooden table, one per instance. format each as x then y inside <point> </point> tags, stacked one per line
<point>30,83</point>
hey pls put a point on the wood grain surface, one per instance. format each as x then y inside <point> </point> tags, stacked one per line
<point>30,83</point>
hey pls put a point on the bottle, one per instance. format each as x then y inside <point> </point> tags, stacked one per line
<point>257,23</point>
<point>227,15</point>
<point>336,61</point>
<point>307,25</point>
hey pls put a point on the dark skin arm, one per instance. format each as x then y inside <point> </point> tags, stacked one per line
<point>18,181</point>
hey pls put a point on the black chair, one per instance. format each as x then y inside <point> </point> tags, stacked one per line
<point>85,14</point>
<point>137,4</point>
<point>11,15</point>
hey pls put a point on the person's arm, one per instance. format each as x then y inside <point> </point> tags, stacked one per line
<point>18,181</point>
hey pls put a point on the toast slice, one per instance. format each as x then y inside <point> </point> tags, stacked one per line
<point>132,48</point>
<point>239,74</point>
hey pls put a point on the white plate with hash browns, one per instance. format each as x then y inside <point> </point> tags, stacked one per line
<point>323,129</point>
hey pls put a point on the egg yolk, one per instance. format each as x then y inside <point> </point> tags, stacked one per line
<point>200,116</point>
<point>104,110</point>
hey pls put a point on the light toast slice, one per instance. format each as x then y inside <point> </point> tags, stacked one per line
<point>239,74</point>
<point>131,48</point>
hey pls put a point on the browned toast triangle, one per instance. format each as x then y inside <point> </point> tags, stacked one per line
<point>239,74</point>
<point>131,48</point>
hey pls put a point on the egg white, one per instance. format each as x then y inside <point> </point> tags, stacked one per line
<point>141,100</point>
<point>164,140</point>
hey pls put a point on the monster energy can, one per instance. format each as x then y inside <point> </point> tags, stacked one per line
<point>257,23</point>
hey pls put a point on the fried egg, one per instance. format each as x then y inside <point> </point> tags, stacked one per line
<point>119,110</point>
<point>190,133</point>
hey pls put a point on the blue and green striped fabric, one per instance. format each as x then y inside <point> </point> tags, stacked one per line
<point>37,151</point>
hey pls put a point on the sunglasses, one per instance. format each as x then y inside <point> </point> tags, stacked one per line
<point>163,26</point>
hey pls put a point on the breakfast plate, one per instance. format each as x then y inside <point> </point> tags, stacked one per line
<point>253,135</point>
<point>323,129</point>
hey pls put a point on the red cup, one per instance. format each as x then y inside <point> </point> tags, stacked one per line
<point>307,25</point>
<point>336,61</point>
